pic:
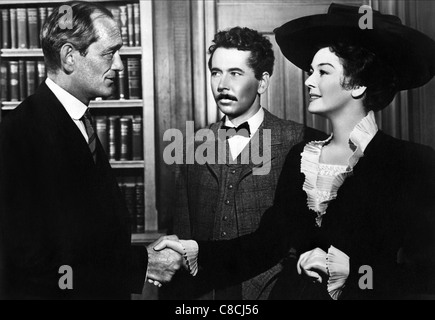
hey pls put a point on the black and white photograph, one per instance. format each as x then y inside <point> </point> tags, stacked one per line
<point>214,158</point>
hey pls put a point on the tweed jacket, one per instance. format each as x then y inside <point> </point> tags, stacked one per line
<point>383,217</point>
<point>202,212</point>
<point>60,208</point>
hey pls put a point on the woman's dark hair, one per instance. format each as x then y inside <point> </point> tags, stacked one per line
<point>245,39</point>
<point>82,34</point>
<point>362,67</point>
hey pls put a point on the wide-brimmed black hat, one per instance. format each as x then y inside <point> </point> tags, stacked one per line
<point>410,53</point>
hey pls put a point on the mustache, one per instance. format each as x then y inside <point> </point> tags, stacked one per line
<point>226,96</point>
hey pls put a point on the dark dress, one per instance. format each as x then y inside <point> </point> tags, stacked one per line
<point>383,215</point>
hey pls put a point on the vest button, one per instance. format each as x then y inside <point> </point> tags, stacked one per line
<point>223,234</point>
<point>230,186</point>
<point>225,218</point>
<point>227,201</point>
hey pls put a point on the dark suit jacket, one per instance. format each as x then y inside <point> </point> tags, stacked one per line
<point>57,207</point>
<point>383,213</point>
<point>201,190</point>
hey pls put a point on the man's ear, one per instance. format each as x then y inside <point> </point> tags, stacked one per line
<point>263,84</point>
<point>358,91</point>
<point>67,57</point>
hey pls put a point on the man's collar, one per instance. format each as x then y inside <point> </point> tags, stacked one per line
<point>75,108</point>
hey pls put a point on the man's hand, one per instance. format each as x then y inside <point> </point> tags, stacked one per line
<point>313,265</point>
<point>162,264</point>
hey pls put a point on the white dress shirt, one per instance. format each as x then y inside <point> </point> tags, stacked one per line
<point>75,108</point>
<point>237,143</point>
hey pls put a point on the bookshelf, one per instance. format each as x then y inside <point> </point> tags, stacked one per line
<point>138,170</point>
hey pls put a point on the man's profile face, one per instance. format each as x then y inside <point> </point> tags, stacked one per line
<point>233,83</point>
<point>96,72</point>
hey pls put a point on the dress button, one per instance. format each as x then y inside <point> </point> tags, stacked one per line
<point>227,201</point>
<point>225,218</point>
<point>230,186</point>
<point>233,171</point>
<point>223,234</point>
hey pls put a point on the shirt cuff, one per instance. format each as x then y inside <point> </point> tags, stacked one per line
<point>337,263</point>
<point>191,250</point>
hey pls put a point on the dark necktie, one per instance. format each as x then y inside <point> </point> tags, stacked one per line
<point>238,130</point>
<point>92,138</point>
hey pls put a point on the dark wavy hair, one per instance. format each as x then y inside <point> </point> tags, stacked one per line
<point>262,58</point>
<point>81,36</point>
<point>363,67</point>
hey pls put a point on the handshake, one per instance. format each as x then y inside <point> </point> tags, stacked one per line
<point>165,257</point>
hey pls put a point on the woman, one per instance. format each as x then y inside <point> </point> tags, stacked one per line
<point>358,208</point>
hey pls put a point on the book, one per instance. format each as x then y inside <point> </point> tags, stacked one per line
<point>130,25</point>
<point>42,16</point>
<point>22,83</point>
<point>13,27</point>
<point>49,11</point>
<point>4,81</point>
<point>101,129</point>
<point>140,205</point>
<point>31,76</point>
<point>22,28</point>
<point>42,74</point>
<point>133,75</point>
<point>124,24</point>
<point>13,80</point>
<point>136,24</point>
<point>113,138</point>
<point>137,138</point>
<point>5,29</point>
<point>122,92</point>
<point>33,31</point>
<point>130,197</point>
<point>125,138</point>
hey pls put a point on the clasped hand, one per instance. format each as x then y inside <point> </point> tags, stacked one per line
<point>165,258</point>
<point>312,264</point>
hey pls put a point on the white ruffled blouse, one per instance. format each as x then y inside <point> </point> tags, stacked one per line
<point>322,181</point>
<point>321,184</point>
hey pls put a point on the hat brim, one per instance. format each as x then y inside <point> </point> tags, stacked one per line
<point>410,53</point>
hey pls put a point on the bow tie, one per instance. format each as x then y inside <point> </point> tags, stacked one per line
<point>238,130</point>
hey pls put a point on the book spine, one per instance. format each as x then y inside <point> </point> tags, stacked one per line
<point>121,83</point>
<point>101,127</point>
<point>130,197</point>
<point>113,122</point>
<point>13,74</point>
<point>4,82</point>
<point>140,206</point>
<point>5,29</point>
<point>22,28</point>
<point>41,72</point>
<point>137,140</point>
<point>130,25</point>
<point>31,75</point>
<point>49,11</point>
<point>133,73</point>
<point>136,24</point>
<point>124,24</point>
<point>13,27</point>
<point>32,16</point>
<point>22,79</point>
<point>125,138</point>
<point>42,16</point>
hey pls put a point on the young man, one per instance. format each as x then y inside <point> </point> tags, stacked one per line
<point>60,206</point>
<point>226,199</point>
